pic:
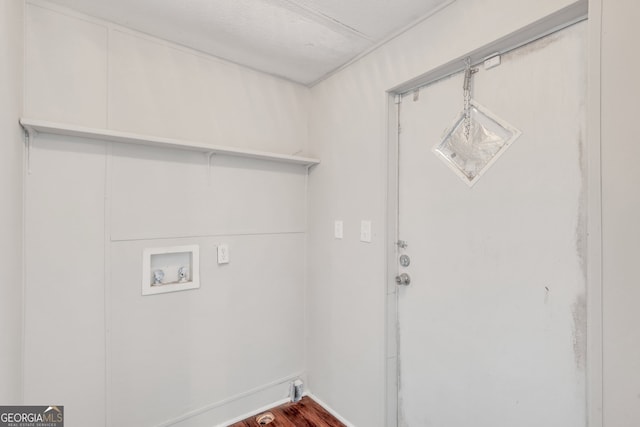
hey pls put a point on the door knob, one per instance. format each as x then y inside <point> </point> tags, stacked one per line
<point>403,280</point>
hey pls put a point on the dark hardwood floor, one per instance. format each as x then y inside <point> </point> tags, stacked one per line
<point>305,413</point>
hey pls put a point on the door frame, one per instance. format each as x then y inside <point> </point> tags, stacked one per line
<point>555,22</point>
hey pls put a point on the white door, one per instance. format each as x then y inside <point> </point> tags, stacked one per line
<point>492,326</point>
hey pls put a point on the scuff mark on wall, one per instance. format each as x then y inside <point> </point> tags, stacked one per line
<point>579,307</point>
<point>581,224</point>
<point>579,332</point>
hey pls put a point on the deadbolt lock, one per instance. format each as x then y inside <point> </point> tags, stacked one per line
<point>405,260</point>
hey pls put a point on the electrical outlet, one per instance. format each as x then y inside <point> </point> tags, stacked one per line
<point>338,229</point>
<point>223,254</point>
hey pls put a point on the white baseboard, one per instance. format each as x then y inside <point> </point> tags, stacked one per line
<point>238,407</point>
<point>330,410</point>
<point>280,388</point>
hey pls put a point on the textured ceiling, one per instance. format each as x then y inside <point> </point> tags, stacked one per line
<point>301,40</point>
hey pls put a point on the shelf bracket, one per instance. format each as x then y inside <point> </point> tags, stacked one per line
<point>29,136</point>
<point>209,155</point>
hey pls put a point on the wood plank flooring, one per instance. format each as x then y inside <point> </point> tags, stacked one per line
<point>305,413</point>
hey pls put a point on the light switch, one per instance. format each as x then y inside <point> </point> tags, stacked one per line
<point>223,254</point>
<point>365,231</point>
<point>338,229</point>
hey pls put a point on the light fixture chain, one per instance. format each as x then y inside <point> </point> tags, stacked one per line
<point>466,90</point>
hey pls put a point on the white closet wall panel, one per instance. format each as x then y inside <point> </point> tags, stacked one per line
<point>83,71</point>
<point>93,343</point>
<point>65,68</point>
<point>11,188</point>
<point>161,89</point>
<point>240,330</point>
<point>175,193</point>
<point>64,294</point>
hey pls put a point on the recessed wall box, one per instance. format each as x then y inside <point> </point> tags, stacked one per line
<point>170,269</point>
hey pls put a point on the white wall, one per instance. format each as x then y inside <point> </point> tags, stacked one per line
<point>11,162</point>
<point>87,72</point>
<point>620,212</point>
<point>193,358</point>
<point>64,303</point>
<point>238,331</point>
<point>346,291</point>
